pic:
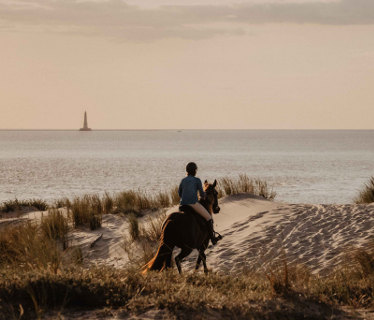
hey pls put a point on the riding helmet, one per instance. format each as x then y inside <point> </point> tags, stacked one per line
<point>191,168</point>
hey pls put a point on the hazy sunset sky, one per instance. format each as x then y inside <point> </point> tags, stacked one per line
<point>163,64</point>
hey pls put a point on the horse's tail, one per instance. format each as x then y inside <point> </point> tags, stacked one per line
<point>162,258</point>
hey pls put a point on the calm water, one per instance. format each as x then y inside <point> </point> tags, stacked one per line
<point>303,166</point>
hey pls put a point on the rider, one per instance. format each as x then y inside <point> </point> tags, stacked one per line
<point>188,189</point>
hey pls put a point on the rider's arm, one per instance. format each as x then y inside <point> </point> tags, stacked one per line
<point>200,188</point>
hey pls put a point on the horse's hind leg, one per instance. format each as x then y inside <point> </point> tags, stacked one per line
<point>201,257</point>
<point>184,253</point>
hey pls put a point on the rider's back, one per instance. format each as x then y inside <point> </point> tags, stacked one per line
<point>188,189</point>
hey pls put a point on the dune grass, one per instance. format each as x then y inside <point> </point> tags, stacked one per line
<point>243,184</point>
<point>55,226</point>
<point>108,203</point>
<point>87,210</point>
<point>133,227</point>
<point>28,246</point>
<point>133,202</point>
<point>141,242</point>
<point>19,205</point>
<point>366,195</point>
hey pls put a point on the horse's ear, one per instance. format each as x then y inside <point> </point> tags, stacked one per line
<point>214,183</point>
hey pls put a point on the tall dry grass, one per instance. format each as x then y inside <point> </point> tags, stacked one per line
<point>243,184</point>
<point>108,203</point>
<point>28,247</point>
<point>87,210</point>
<point>143,237</point>
<point>366,195</point>
<point>133,227</point>
<point>132,201</point>
<point>55,226</point>
<point>174,195</point>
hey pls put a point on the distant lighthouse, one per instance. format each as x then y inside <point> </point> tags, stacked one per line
<point>85,125</point>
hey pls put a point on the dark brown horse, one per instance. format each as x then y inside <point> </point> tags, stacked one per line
<point>186,230</point>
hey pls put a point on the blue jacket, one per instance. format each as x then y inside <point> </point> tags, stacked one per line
<point>188,189</point>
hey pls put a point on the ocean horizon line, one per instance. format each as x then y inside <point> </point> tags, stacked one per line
<point>176,129</point>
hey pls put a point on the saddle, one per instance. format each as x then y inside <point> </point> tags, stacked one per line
<point>189,210</point>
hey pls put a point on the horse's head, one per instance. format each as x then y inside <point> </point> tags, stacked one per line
<point>211,195</point>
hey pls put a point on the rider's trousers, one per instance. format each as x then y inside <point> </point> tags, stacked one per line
<point>201,211</point>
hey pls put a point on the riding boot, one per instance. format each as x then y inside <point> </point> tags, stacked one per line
<point>211,232</point>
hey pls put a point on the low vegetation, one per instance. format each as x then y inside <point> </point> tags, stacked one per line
<point>284,292</point>
<point>31,246</point>
<point>366,195</point>
<point>243,184</point>
<point>55,226</point>
<point>142,240</point>
<point>137,202</point>
<point>87,210</point>
<point>133,227</point>
<point>19,205</point>
<point>134,202</point>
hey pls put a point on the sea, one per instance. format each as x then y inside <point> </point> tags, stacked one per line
<point>302,166</point>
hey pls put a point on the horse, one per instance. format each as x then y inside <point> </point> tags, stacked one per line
<point>187,230</point>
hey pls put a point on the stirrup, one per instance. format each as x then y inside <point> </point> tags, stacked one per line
<point>215,238</point>
<point>218,236</point>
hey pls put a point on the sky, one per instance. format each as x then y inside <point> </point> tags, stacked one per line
<point>178,64</point>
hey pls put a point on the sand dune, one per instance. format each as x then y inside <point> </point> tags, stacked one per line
<point>258,231</point>
<point>255,231</point>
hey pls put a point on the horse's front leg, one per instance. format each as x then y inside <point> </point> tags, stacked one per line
<point>202,257</point>
<point>198,261</point>
<point>204,263</point>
